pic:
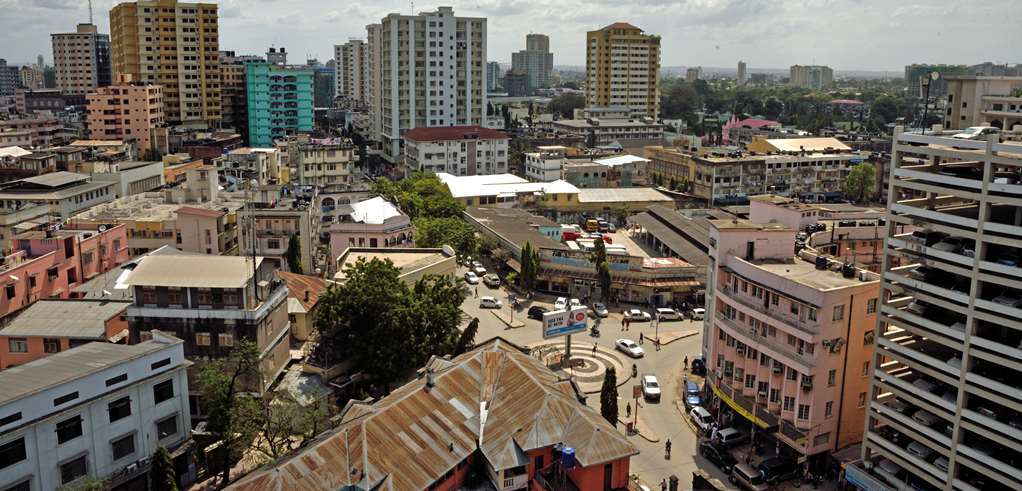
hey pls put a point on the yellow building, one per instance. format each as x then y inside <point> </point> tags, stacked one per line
<point>174,45</point>
<point>622,69</point>
<point>669,163</point>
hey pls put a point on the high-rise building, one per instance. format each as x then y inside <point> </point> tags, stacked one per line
<point>81,60</point>
<point>124,111</point>
<point>234,105</point>
<point>692,74</point>
<point>276,56</point>
<point>9,78</point>
<point>980,101</point>
<point>743,75</point>
<point>536,60</point>
<point>811,76</point>
<point>351,62</point>
<point>175,45</point>
<point>31,77</point>
<point>516,83</point>
<point>431,74</point>
<point>375,72</point>
<point>280,101</point>
<point>494,76</point>
<point>916,71</point>
<point>622,69</point>
<point>323,84</point>
<point>945,405</point>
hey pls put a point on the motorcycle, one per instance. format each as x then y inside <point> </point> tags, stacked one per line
<point>594,332</point>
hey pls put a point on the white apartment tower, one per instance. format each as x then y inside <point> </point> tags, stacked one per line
<point>743,75</point>
<point>351,63</point>
<point>431,74</point>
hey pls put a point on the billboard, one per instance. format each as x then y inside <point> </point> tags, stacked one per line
<point>564,322</point>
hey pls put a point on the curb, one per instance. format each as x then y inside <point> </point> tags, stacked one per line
<point>683,336</point>
<point>510,324</point>
<point>639,433</point>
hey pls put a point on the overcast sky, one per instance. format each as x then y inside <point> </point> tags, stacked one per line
<point>845,34</point>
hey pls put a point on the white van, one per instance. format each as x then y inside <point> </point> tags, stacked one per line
<point>698,314</point>
<point>665,314</point>
<point>489,303</point>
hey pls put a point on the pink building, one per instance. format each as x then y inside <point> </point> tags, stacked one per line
<point>374,222</point>
<point>49,264</point>
<point>788,338</point>
<point>125,111</point>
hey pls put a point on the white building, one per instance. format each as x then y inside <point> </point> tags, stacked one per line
<point>351,63</point>
<point>982,101</point>
<point>544,165</point>
<point>97,410</point>
<point>743,75</point>
<point>321,164</point>
<point>431,74</point>
<point>262,164</point>
<point>811,76</point>
<point>457,150</point>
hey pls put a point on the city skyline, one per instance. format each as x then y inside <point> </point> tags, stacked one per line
<point>865,34</point>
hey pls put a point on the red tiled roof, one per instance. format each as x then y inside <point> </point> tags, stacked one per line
<point>191,210</point>
<point>299,284</point>
<point>621,25</point>
<point>453,133</point>
<point>757,123</point>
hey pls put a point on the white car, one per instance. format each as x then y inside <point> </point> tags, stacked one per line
<point>666,314</point>
<point>600,310</point>
<point>650,387</point>
<point>471,278</point>
<point>479,270</point>
<point>636,315</point>
<point>630,348</point>
<point>489,303</point>
<point>976,132</point>
<point>561,303</point>
<point>575,303</point>
<point>701,417</point>
<point>698,314</point>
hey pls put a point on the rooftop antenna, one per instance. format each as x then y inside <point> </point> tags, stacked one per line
<point>90,11</point>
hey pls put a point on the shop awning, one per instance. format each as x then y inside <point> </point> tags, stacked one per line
<point>756,414</point>
<point>514,264</point>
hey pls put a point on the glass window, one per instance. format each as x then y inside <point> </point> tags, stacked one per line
<point>166,428</point>
<point>862,399</point>
<point>789,403</point>
<point>73,470</point>
<point>123,447</point>
<point>51,345</point>
<point>803,411</point>
<point>163,391</point>
<point>12,452</point>
<point>121,408</point>
<point>828,409</point>
<point>865,368</point>
<point>17,345</point>
<point>839,312</point>
<point>871,306</point>
<point>831,378</point>
<point>69,429</point>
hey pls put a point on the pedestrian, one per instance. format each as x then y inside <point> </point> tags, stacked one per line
<point>640,338</point>
<point>477,292</point>
<point>663,484</point>
<point>686,363</point>
<point>594,349</point>
<point>628,410</point>
<point>656,342</point>
<point>715,434</point>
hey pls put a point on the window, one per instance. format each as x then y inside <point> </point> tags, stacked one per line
<point>226,339</point>
<point>839,312</point>
<point>69,429</point>
<point>828,409</point>
<point>17,345</point>
<point>763,386</point>
<point>202,338</point>
<point>121,408</point>
<point>794,308</point>
<point>166,427</point>
<point>51,345</point>
<point>775,396</point>
<point>812,314</point>
<point>867,338</point>
<point>160,364</point>
<point>792,374</point>
<point>831,378</point>
<point>74,469</point>
<point>791,340</point>
<point>862,399</point>
<point>871,306</point>
<point>10,291</point>
<point>789,403</point>
<point>65,398</point>
<point>116,380</point>
<point>12,452</point>
<point>123,447</point>
<point>163,391</point>
<point>25,485</point>
<point>865,368</point>
<point>273,243</point>
<point>803,411</point>
<point>750,380</point>
<point>6,420</point>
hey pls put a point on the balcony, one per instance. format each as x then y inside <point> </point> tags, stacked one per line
<point>770,346</point>
<point>775,313</point>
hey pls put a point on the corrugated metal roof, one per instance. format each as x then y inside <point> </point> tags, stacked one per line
<point>412,437</point>
<point>76,319</point>
<point>196,271</point>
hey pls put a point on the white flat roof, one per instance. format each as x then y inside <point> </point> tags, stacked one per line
<point>500,184</point>
<point>620,160</point>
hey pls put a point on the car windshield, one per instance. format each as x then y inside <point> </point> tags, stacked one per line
<point>756,479</point>
<point>652,384</point>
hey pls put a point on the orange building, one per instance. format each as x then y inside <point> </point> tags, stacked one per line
<point>52,326</point>
<point>126,110</point>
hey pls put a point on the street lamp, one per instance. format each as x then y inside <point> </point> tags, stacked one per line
<point>926,81</point>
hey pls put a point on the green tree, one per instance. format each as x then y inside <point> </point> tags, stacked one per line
<point>468,337</point>
<point>87,483</point>
<point>599,254</point>
<point>603,272</point>
<point>294,254</point>
<point>565,104</point>
<point>161,475</point>
<point>674,183</point>
<point>530,266</point>
<point>454,232</point>
<point>860,181</point>
<point>221,383</point>
<point>285,423</point>
<point>608,396</point>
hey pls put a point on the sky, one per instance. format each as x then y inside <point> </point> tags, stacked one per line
<point>880,35</point>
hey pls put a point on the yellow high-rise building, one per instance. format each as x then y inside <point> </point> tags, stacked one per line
<point>622,69</point>
<point>174,45</point>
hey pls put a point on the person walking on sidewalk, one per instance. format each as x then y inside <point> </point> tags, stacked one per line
<point>594,349</point>
<point>686,363</point>
<point>640,338</point>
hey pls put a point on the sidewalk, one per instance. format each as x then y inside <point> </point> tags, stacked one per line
<point>514,323</point>
<point>641,427</point>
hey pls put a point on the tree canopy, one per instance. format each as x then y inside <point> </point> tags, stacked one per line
<point>565,104</point>
<point>860,182</point>
<point>294,254</point>
<point>434,212</point>
<point>608,396</point>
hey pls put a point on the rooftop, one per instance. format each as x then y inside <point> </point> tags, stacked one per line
<point>374,211</point>
<point>193,271</point>
<point>36,376</point>
<point>515,225</point>
<point>300,285</point>
<point>151,207</point>
<point>406,259</point>
<point>804,272</point>
<point>75,319</point>
<point>621,160</point>
<point>806,144</point>
<point>501,184</point>
<point>605,123</point>
<point>414,436</point>
<point>97,143</point>
<point>453,133</point>
<point>743,224</point>
<point>110,285</point>
<point>618,195</point>
<point>203,212</point>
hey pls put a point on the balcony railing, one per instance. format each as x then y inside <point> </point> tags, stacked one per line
<point>747,336</point>
<point>773,313</point>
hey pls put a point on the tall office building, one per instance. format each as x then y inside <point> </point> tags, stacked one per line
<point>811,76</point>
<point>9,78</point>
<point>494,76</point>
<point>536,60</point>
<point>174,45</point>
<point>743,75</point>
<point>233,103</point>
<point>280,101</point>
<point>692,74</point>
<point>945,409</point>
<point>622,69</point>
<point>81,60</point>
<point>431,74</point>
<point>125,111</point>
<point>351,62</point>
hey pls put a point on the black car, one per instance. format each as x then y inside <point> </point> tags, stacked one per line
<point>698,366</point>
<point>717,454</point>
<point>536,312</point>
<point>778,469</point>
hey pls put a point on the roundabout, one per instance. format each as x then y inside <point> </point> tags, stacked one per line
<point>587,367</point>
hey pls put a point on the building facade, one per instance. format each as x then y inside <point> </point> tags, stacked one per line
<point>233,101</point>
<point>353,73</point>
<point>126,111</point>
<point>457,150</point>
<point>811,76</point>
<point>51,326</point>
<point>322,164</point>
<point>173,44</point>
<point>269,222</point>
<point>81,60</point>
<point>743,75</point>
<point>545,165</point>
<point>9,78</point>
<point>373,223</point>
<point>279,101</point>
<point>617,48</point>
<point>536,60</point>
<point>431,74</point>
<point>982,101</point>
<point>494,76</point>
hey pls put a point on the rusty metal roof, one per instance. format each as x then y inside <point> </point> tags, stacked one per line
<point>415,435</point>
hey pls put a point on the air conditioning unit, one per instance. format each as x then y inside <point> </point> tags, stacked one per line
<point>762,393</point>
<point>741,350</point>
<point>778,368</point>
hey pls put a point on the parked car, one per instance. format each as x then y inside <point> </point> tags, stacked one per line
<point>600,310</point>
<point>666,314</point>
<point>636,315</point>
<point>536,312</point>
<point>949,244</point>
<point>650,387</point>
<point>718,455</point>
<point>1008,300</point>
<point>561,303</point>
<point>491,280</point>
<point>478,269</point>
<point>698,366</point>
<point>489,303</point>
<point>778,469</point>
<point>693,396</point>
<point>701,417</point>
<point>730,437</point>
<point>630,348</point>
<point>574,303</point>
<point>889,471</point>
<point>919,450</point>
<point>941,463</point>
<point>745,477</point>
<point>976,133</point>
<point>471,278</point>
<point>698,314</point>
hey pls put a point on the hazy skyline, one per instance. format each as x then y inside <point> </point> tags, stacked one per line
<point>844,34</point>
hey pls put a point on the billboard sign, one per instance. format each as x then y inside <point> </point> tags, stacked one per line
<point>559,323</point>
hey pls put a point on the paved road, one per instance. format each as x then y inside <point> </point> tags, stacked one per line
<point>664,419</point>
